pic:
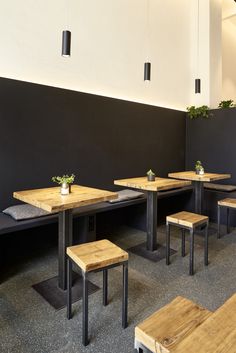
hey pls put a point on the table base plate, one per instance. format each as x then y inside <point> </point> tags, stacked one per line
<point>56,297</point>
<point>155,256</point>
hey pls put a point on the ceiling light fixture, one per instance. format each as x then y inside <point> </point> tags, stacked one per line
<point>147,64</point>
<point>198,80</point>
<point>66,36</point>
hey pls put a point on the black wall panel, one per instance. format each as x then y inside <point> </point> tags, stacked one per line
<point>46,131</point>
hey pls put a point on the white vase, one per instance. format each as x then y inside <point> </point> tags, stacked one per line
<point>65,189</point>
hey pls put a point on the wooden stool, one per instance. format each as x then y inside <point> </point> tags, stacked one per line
<point>190,221</point>
<point>229,204</point>
<point>96,256</point>
<point>167,327</point>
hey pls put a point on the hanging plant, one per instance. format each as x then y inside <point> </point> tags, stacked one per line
<point>198,112</point>
<point>226,104</point>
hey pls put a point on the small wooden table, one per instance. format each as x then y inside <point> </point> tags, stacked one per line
<point>151,187</point>
<point>198,181</point>
<point>216,334</point>
<point>50,199</point>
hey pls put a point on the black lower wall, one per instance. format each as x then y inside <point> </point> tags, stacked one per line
<point>46,131</point>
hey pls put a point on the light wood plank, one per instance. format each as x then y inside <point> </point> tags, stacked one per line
<point>167,327</point>
<point>143,184</point>
<point>187,219</point>
<point>98,254</point>
<point>206,177</point>
<point>227,202</point>
<point>216,335</point>
<point>50,199</point>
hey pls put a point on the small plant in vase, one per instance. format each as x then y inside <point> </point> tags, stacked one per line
<point>65,182</point>
<point>199,168</point>
<point>150,175</point>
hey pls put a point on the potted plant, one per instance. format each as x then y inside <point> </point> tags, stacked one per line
<point>199,168</point>
<point>150,175</point>
<point>226,104</point>
<point>65,182</point>
<point>198,112</point>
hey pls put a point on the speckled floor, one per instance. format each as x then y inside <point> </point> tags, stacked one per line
<point>30,325</point>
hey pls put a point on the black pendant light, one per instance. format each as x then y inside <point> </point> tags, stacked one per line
<point>197,80</point>
<point>147,71</point>
<point>147,64</point>
<point>66,43</point>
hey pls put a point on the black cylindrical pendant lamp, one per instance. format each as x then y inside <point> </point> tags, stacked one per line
<point>66,40</point>
<point>197,85</point>
<point>147,71</point>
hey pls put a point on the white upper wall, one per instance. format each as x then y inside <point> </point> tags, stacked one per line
<point>110,44</point>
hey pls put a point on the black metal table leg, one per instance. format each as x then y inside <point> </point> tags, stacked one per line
<point>64,240</point>
<point>105,276</point>
<point>167,244</point>
<point>183,242</point>
<point>69,283</point>
<point>199,196</point>
<point>85,310</point>
<point>125,296</point>
<point>151,220</point>
<point>206,246</point>
<point>227,220</point>
<point>218,222</point>
<point>191,267</point>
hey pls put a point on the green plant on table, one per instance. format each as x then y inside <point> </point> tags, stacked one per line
<point>226,104</point>
<point>150,173</point>
<point>199,167</point>
<point>198,112</point>
<point>64,179</point>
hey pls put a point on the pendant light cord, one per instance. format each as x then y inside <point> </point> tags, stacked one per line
<point>147,29</point>
<point>198,27</point>
<point>66,14</point>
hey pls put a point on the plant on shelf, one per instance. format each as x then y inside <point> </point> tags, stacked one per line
<point>226,104</point>
<point>198,112</point>
<point>65,181</point>
<point>199,167</point>
<point>151,175</point>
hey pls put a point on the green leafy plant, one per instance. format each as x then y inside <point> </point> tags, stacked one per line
<point>198,112</point>
<point>226,104</point>
<point>64,179</point>
<point>150,173</point>
<point>198,165</point>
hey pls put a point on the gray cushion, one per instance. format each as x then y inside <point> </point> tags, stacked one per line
<point>220,187</point>
<point>126,194</point>
<point>25,211</point>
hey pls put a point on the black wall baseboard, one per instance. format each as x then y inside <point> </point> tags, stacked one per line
<point>47,131</point>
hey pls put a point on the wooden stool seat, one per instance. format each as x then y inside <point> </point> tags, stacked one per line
<point>166,328</point>
<point>229,204</point>
<point>97,254</point>
<point>187,219</point>
<point>190,221</point>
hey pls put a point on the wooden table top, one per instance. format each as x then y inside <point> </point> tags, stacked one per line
<point>50,199</point>
<point>191,175</point>
<point>215,335</point>
<point>157,185</point>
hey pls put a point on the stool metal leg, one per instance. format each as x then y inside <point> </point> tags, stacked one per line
<point>191,270</point>
<point>105,276</point>
<point>85,309</point>
<point>218,222</point>
<point>206,246</point>
<point>227,221</point>
<point>69,275</point>
<point>125,296</point>
<point>167,243</point>
<point>183,242</point>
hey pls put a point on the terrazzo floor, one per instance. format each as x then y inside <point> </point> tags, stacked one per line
<point>30,325</point>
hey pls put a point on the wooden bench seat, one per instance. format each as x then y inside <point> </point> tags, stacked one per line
<point>168,327</point>
<point>228,203</point>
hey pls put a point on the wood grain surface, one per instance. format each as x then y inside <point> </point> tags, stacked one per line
<point>187,219</point>
<point>227,202</point>
<point>50,199</point>
<point>167,327</point>
<point>97,254</point>
<point>143,184</point>
<point>191,175</point>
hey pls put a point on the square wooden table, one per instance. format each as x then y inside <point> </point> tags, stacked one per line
<point>151,187</point>
<point>198,181</point>
<point>50,199</point>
